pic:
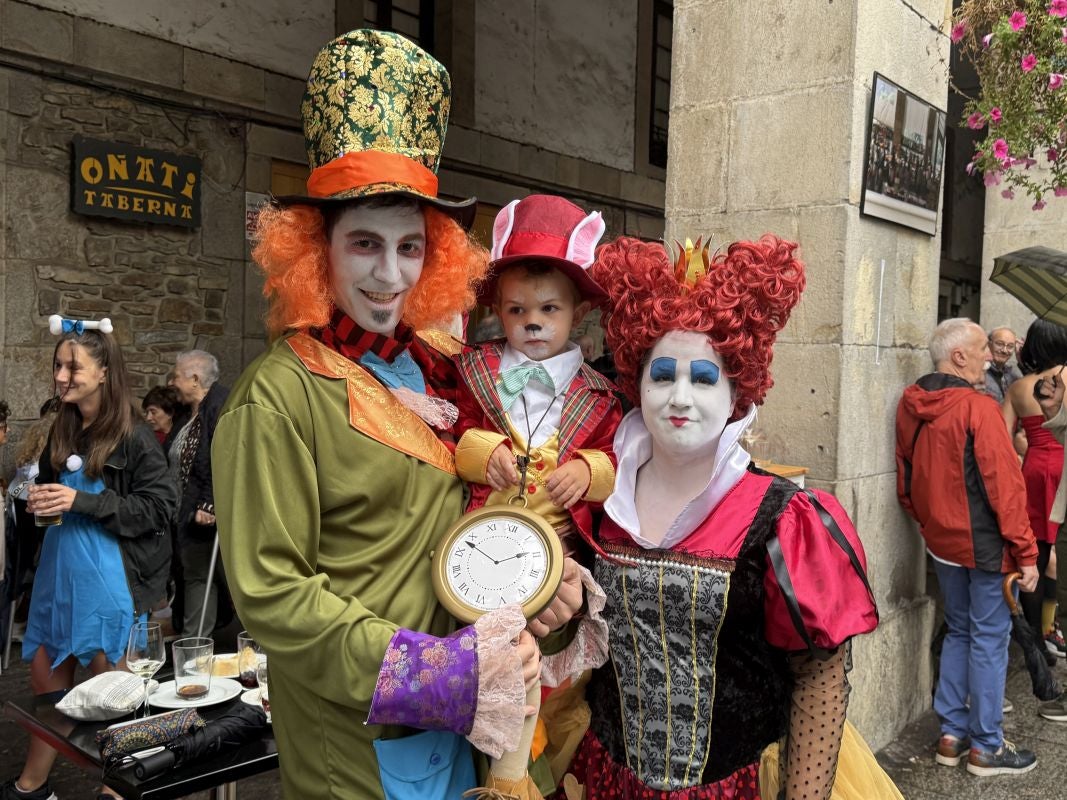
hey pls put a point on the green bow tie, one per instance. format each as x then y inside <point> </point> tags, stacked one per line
<point>512,381</point>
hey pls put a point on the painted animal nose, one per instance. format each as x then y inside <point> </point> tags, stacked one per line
<point>533,328</point>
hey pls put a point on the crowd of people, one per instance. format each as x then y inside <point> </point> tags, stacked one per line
<point>692,648</point>
<point>896,170</point>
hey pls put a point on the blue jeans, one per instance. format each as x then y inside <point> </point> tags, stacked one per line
<point>974,659</point>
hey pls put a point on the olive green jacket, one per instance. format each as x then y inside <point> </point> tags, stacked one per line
<point>329,497</point>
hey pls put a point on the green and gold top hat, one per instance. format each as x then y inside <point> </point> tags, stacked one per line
<point>375,114</point>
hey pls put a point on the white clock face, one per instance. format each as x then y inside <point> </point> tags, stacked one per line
<point>497,562</point>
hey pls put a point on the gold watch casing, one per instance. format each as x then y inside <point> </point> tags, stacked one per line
<point>536,602</point>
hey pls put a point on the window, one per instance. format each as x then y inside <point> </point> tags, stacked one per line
<point>411,18</point>
<point>659,116</point>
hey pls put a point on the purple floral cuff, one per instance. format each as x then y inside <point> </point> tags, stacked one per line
<point>427,682</point>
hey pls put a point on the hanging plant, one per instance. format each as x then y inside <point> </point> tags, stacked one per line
<point>1019,49</point>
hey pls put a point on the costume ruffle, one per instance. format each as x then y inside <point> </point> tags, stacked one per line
<point>589,647</point>
<point>501,710</point>
<point>833,600</point>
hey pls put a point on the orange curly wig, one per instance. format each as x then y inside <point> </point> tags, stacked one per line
<point>741,304</point>
<point>292,250</point>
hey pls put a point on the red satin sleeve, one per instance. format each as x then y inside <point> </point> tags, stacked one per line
<point>834,603</point>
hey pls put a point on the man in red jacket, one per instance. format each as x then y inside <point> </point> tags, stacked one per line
<point>959,477</point>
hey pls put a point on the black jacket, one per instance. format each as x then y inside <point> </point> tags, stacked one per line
<point>136,505</point>
<point>198,491</point>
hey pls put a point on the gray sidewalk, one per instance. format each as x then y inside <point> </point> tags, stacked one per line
<point>909,759</point>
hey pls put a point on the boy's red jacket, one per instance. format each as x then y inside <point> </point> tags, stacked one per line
<point>959,476</point>
<point>590,415</point>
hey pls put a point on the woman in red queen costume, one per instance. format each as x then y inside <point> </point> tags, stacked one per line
<point>731,594</point>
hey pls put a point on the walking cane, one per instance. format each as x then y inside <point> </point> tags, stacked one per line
<point>210,583</point>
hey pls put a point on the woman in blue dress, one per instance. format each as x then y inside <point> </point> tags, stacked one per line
<point>106,564</point>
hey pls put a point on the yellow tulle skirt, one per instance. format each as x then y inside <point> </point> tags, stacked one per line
<point>859,775</point>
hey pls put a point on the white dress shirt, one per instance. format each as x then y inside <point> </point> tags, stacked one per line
<point>561,368</point>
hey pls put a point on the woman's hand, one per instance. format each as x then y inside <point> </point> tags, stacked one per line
<point>202,517</point>
<point>564,605</point>
<point>50,498</point>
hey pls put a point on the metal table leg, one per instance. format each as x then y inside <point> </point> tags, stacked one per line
<point>226,791</point>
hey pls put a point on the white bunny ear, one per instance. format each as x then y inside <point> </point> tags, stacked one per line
<point>581,246</point>
<point>502,225</point>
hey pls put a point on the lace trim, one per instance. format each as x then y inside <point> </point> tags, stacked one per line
<point>589,647</point>
<point>434,411</point>
<point>501,710</point>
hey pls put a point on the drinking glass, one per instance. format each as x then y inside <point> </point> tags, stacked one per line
<point>44,520</point>
<point>193,659</point>
<point>264,685</point>
<point>145,654</point>
<point>248,658</point>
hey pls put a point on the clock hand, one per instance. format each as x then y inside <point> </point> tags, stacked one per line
<point>517,555</point>
<point>473,546</point>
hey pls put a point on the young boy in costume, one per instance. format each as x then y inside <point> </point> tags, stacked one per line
<point>537,418</point>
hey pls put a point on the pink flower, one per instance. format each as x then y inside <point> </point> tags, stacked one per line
<point>995,114</point>
<point>1018,21</point>
<point>1064,32</point>
<point>991,179</point>
<point>1055,80</point>
<point>1060,191</point>
<point>1053,154</point>
<point>960,28</point>
<point>1008,194</point>
<point>1058,8</point>
<point>976,121</point>
<point>1029,62</point>
<point>987,39</point>
<point>1040,204</point>
<point>1000,150</point>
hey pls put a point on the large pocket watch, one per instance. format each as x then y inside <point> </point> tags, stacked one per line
<point>495,556</point>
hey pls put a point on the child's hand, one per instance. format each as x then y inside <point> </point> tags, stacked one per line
<point>569,483</point>
<point>501,472</point>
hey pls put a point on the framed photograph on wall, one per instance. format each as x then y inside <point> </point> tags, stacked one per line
<point>903,158</point>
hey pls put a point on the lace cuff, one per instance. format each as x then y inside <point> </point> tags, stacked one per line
<point>589,647</point>
<point>427,682</point>
<point>816,723</point>
<point>434,411</point>
<point>501,708</point>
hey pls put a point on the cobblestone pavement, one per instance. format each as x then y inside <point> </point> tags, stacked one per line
<point>909,759</point>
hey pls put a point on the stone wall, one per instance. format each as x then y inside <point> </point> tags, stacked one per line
<point>165,288</point>
<point>771,139</point>
<point>1012,225</point>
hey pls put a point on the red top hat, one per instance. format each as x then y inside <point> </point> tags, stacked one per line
<point>548,230</point>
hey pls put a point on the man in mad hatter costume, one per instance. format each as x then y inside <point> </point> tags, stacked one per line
<point>333,462</point>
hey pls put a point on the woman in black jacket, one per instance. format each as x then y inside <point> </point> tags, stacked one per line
<point>105,564</point>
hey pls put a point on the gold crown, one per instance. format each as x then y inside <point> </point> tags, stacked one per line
<point>691,263</point>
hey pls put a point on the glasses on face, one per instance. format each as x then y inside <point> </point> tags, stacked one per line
<point>1003,347</point>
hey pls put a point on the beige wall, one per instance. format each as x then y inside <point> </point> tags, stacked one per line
<point>771,139</point>
<point>278,35</point>
<point>1012,225</point>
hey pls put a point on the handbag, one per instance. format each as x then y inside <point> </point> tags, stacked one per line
<point>119,741</point>
<point>432,765</point>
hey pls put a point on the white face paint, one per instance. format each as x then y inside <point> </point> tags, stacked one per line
<point>686,398</point>
<point>376,257</point>
<point>538,312</point>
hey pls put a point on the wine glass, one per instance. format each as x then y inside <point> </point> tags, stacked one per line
<point>145,654</point>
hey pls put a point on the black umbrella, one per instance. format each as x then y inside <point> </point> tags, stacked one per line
<point>1036,276</point>
<point>1044,685</point>
<point>244,724</point>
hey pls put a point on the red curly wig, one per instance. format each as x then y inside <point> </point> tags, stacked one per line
<point>741,304</point>
<point>292,250</point>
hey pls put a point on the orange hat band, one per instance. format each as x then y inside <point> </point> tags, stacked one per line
<point>368,167</point>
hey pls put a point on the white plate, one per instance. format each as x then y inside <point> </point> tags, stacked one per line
<point>251,696</point>
<point>222,689</point>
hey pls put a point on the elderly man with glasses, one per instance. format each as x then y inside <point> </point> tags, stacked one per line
<point>1001,375</point>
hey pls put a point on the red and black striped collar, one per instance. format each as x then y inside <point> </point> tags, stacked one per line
<point>344,336</point>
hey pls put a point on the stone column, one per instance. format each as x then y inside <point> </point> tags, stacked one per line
<point>768,120</point>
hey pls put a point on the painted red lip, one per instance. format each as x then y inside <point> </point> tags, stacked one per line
<point>678,421</point>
